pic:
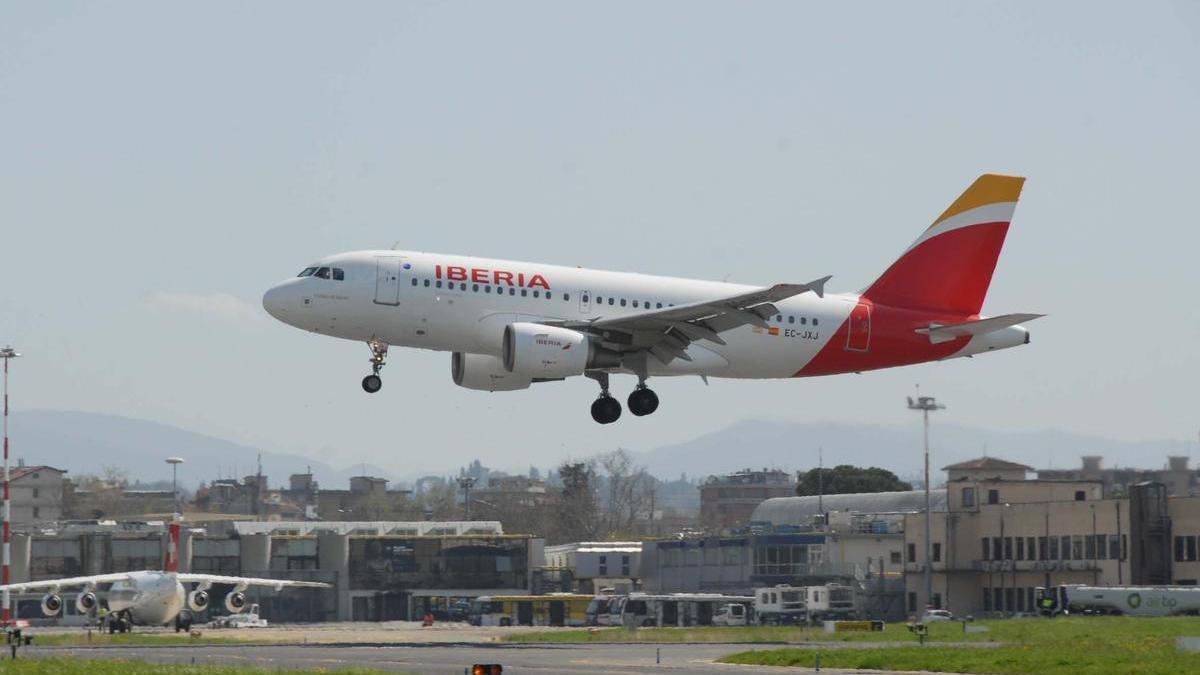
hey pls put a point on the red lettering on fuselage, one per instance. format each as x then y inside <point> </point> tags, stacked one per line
<point>481,275</point>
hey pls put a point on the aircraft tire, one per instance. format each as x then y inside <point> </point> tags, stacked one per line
<point>643,401</point>
<point>372,384</point>
<point>606,410</point>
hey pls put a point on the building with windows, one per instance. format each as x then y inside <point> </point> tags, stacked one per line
<point>36,493</point>
<point>594,565</point>
<point>729,501</point>
<point>999,538</point>
<point>379,570</point>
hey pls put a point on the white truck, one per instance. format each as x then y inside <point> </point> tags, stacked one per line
<point>733,614</point>
<point>802,604</point>
<point>246,619</point>
<point>1131,600</point>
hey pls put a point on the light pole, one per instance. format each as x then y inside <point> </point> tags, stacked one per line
<point>175,462</point>
<point>466,483</point>
<point>7,353</point>
<point>927,404</point>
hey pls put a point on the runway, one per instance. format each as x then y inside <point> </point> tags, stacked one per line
<point>438,659</point>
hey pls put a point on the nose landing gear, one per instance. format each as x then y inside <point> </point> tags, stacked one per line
<point>373,383</point>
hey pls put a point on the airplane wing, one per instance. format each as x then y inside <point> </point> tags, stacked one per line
<point>277,584</point>
<point>69,582</point>
<point>666,333</point>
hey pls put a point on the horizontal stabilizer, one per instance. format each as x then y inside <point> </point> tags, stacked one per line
<point>944,333</point>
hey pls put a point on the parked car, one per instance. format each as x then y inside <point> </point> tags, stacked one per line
<point>932,615</point>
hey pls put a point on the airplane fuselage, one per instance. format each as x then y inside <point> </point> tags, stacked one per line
<point>462,304</point>
<point>152,598</point>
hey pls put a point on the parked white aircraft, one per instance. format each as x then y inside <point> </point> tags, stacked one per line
<point>150,598</point>
<point>511,324</point>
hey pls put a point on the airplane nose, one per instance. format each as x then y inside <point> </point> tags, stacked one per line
<point>275,302</point>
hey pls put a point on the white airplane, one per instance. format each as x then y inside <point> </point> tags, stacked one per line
<point>151,598</point>
<point>511,324</point>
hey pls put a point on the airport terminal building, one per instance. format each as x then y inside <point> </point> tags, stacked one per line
<point>379,570</point>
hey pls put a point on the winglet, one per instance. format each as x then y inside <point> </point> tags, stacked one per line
<point>818,286</point>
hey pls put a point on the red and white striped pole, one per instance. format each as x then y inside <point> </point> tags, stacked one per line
<point>7,353</point>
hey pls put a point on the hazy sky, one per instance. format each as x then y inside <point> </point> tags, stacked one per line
<point>161,164</point>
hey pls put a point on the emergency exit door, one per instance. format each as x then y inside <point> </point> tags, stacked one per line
<point>387,281</point>
<point>858,336</point>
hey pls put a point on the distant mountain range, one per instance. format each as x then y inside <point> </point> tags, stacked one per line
<point>87,442</point>
<point>794,446</point>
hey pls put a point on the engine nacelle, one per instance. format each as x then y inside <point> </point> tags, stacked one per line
<point>51,604</point>
<point>484,373</point>
<point>85,603</point>
<point>539,352</point>
<point>235,602</point>
<point>198,601</point>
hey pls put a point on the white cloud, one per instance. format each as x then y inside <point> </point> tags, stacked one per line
<point>214,305</point>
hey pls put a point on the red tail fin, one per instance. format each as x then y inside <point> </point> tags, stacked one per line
<point>171,561</point>
<point>949,268</point>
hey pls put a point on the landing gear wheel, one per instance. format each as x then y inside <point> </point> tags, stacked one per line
<point>643,401</point>
<point>379,350</point>
<point>606,409</point>
<point>372,384</point>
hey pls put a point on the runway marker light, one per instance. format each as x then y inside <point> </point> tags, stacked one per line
<point>487,669</point>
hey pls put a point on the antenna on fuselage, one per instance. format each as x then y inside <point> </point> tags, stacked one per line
<point>396,246</point>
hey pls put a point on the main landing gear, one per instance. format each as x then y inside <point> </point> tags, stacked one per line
<point>373,383</point>
<point>606,409</point>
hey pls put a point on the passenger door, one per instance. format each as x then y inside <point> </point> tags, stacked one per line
<point>558,614</point>
<point>387,280</point>
<point>525,613</point>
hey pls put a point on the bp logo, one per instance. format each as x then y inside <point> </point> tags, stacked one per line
<point>1135,600</point>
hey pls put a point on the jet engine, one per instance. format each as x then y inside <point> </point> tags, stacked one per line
<point>198,600</point>
<point>51,604</point>
<point>484,373</point>
<point>85,603</point>
<point>538,351</point>
<point>235,602</point>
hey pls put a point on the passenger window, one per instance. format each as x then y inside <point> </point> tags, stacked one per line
<point>307,272</point>
<point>439,283</point>
<point>646,304</point>
<point>414,281</point>
<point>426,283</point>
<point>814,322</point>
<point>803,321</point>
<point>462,286</point>
<point>474,288</point>
<point>524,292</point>
<point>791,319</point>
<point>610,301</point>
<point>535,294</point>
<point>566,297</point>
<point>487,289</point>
<point>658,306</point>
<point>778,318</point>
<point>549,295</point>
<point>323,273</point>
<point>635,303</point>
<point>512,291</point>
<point>338,274</point>
<point>585,297</point>
<point>599,300</point>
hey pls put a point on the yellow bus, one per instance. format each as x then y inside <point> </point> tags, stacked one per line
<point>556,609</point>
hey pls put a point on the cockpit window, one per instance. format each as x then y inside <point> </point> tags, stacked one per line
<point>308,272</point>
<point>322,273</point>
<point>338,274</point>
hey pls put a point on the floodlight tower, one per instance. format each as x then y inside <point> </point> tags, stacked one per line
<point>466,483</point>
<point>175,462</point>
<point>927,404</point>
<point>7,353</point>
